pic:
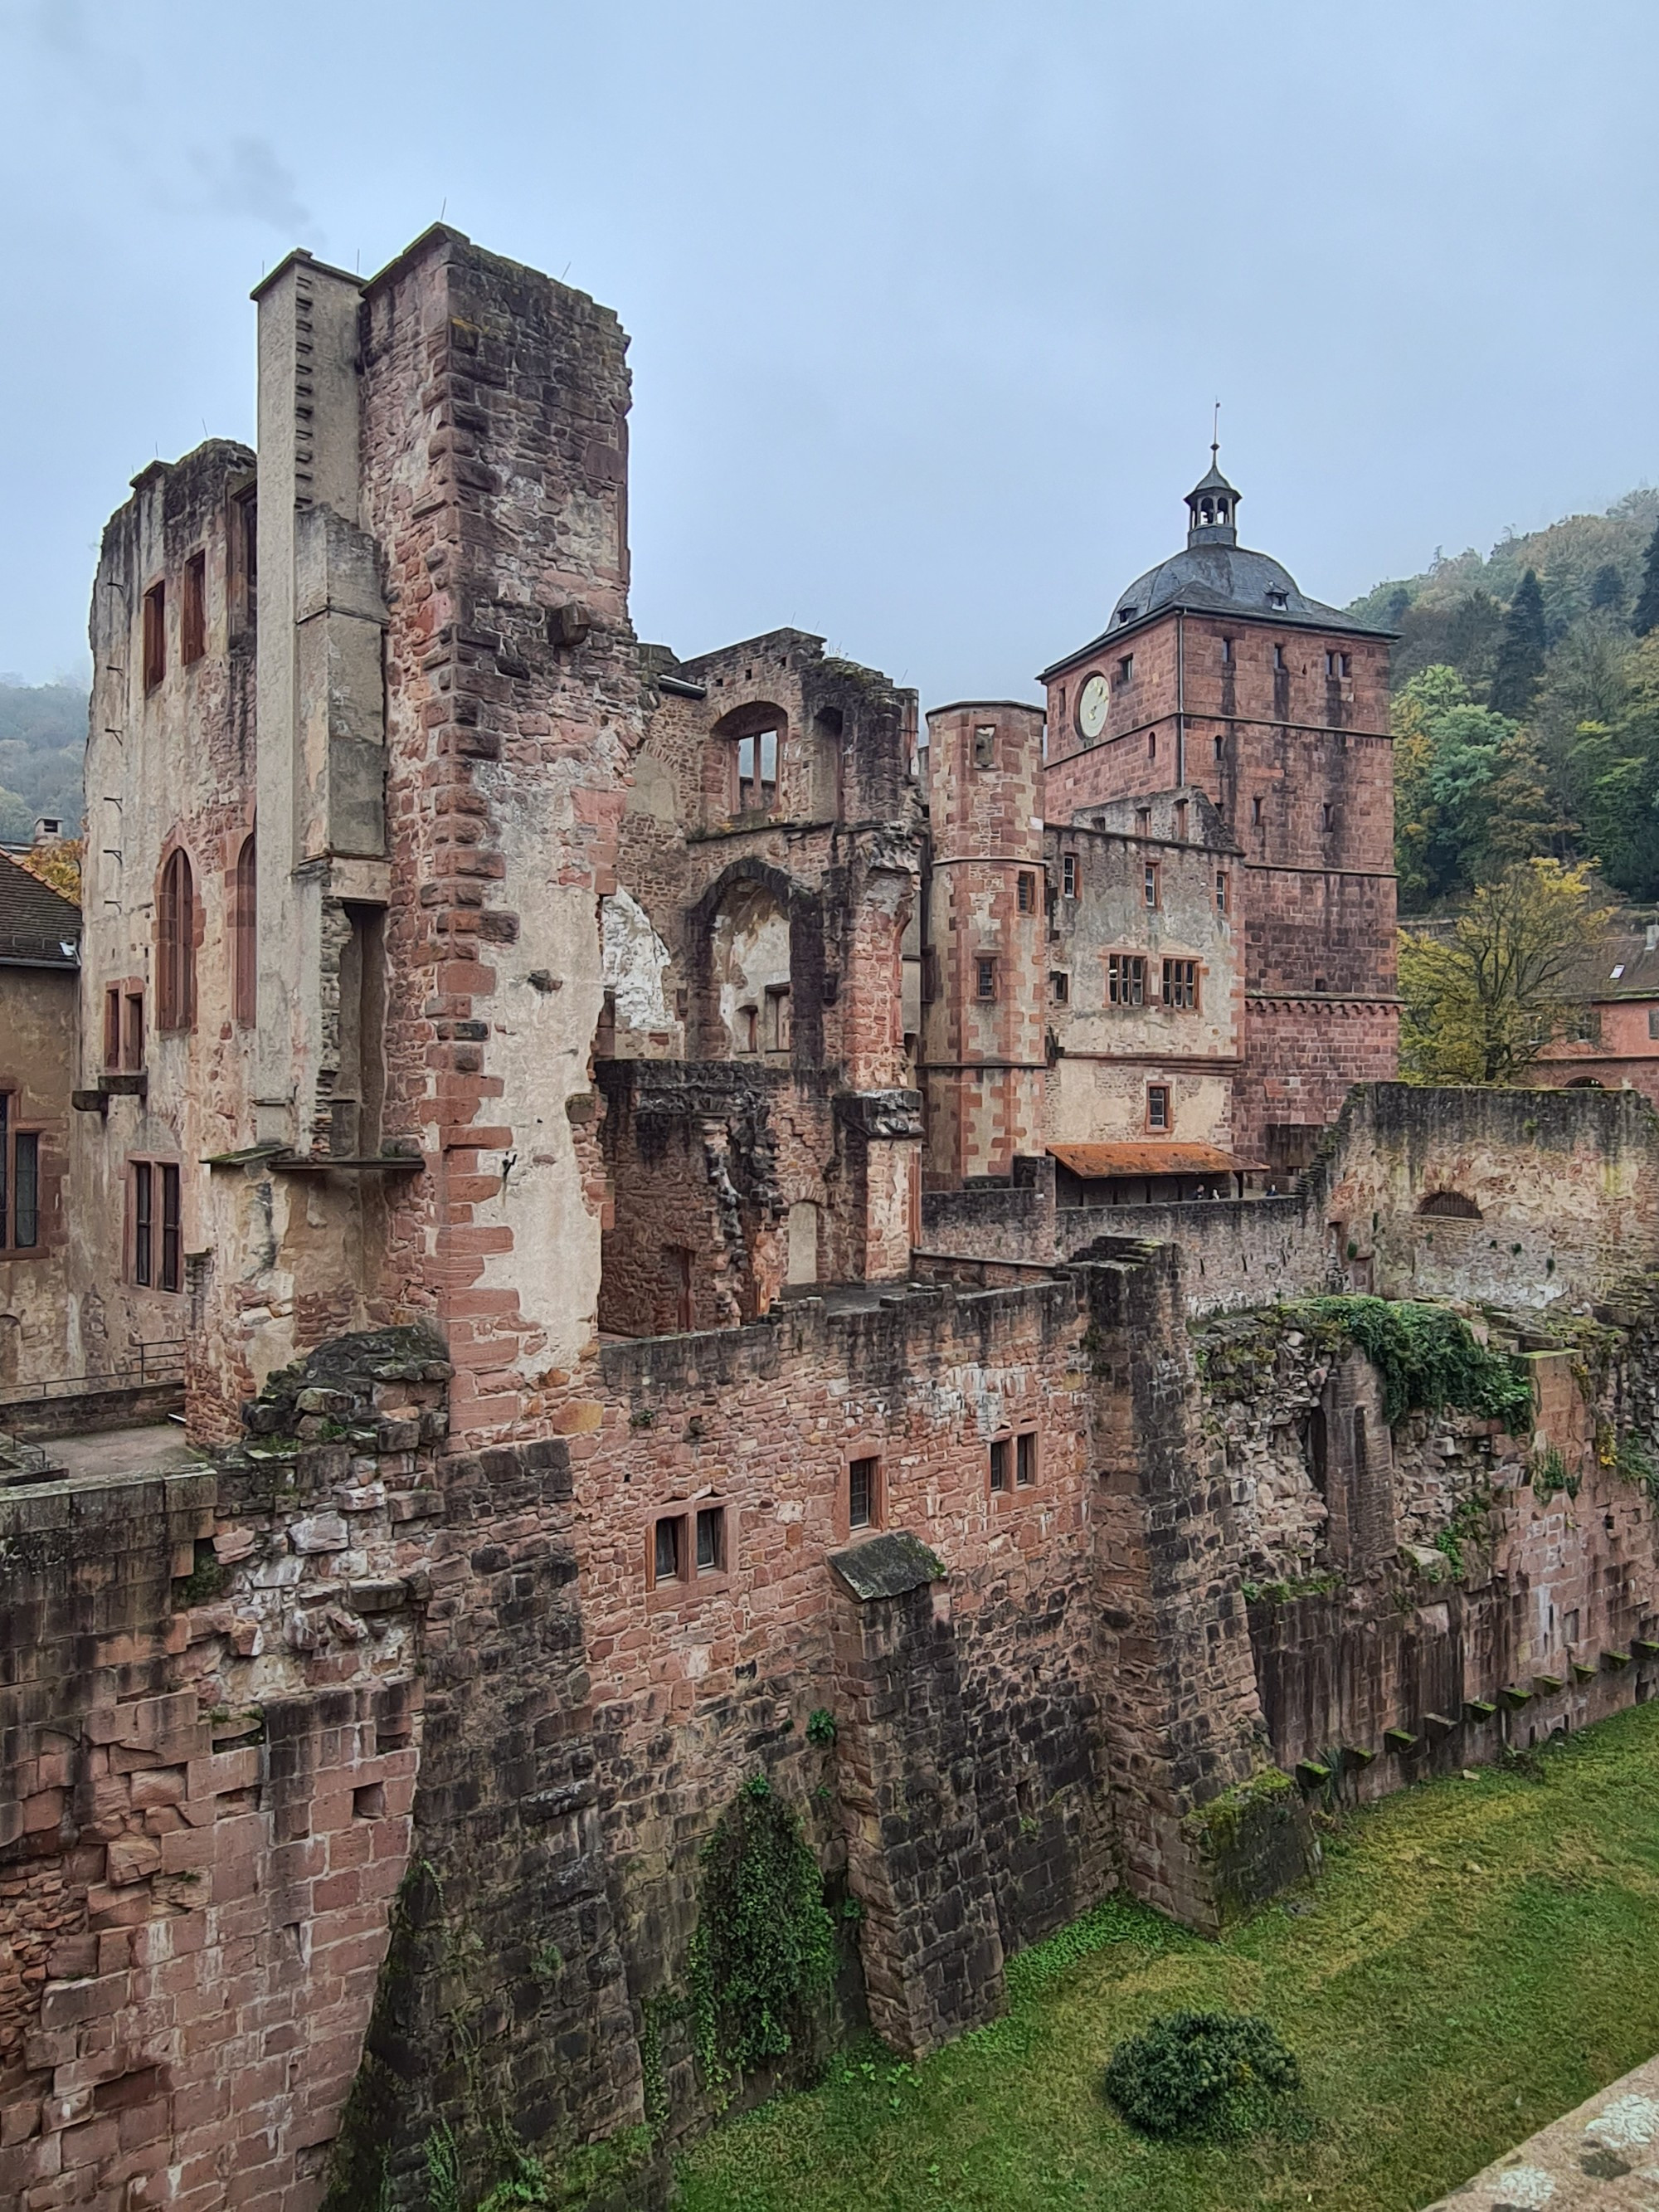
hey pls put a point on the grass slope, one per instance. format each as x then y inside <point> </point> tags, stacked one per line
<point>1477,1958</point>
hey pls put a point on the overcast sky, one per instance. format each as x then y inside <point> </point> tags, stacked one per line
<point>928,302</point>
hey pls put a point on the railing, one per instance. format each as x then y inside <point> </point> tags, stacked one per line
<point>140,1367</point>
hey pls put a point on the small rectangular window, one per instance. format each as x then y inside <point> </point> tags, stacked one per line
<point>1328,816</point>
<point>1143,820</point>
<point>26,1191</point>
<point>1125,979</point>
<point>1221,891</point>
<point>711,1540</point>
<point>155,635</point>
<point>863,1493</point>
<point>1150,885</point>
<point>1125,669</point>
<point>1181,984</point>
<point>1060,986</point>
<point>192,611</point>
<point>1068,874</point>
<point>1025,891</point>
<point>985,978</point>
<point>1343,665</point>
<point>1330,664</point>
<point>778,1031</point>
<point>1278,658</point>
<point>143,1189</point>
<point>1255,813</point>
<point>1653,1021</point>
<point>985,740</point>
<point>666,1550</point>
<point>999,1457</point>
<point>132,1033</point>
<point>112,1026</point>
<point>1226,650</point>
<point>1220,744</point>
<point>1157,1106</point>
<point>1026,1460</point>
<point>172,1265</point>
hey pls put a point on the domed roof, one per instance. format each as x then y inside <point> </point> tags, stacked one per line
<point>1214,573</point>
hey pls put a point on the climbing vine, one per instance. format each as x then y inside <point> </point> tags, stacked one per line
<point>1470,1523</point>
<point>1427,1357</point>
<point>763,1954</point>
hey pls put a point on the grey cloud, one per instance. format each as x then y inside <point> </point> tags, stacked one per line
<point>247,177</point>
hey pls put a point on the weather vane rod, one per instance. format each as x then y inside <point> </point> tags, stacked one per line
<point>1215,432</point>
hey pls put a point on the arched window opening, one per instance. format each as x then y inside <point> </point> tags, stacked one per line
<point>751,961</point>
<point>1450,1205</point>
<point>245,940</point>
<point>175,930</point>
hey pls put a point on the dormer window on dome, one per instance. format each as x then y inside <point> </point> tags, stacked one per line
<point>1213,504</point>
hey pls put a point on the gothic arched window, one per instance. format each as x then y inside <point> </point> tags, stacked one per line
<point>175,946</point>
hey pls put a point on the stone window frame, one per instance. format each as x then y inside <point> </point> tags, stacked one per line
<point>691,1583</point>
<point>1160,1127</point>
<point>1124,988</point>
<point>1025,899</point>
<point>1151,886</point>
<point>192,611</point>
<point>1068,875</point>
<point>985,971</point>
<point>157,1163</point>
<point>847,1529</point>
<point>747,725</point>
<point>243,904</point>
<point>1019,1445</point>
<point>14,1128</point>
<point>1222,891</point>
<point>180,928</point>
<point>153,641</point>
<point>124,1016</point>
<point>1177,1006</point>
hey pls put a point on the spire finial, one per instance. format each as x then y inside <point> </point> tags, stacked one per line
<point>1215,432</point>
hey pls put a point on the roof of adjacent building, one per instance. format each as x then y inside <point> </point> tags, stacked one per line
<point>1153,1158</point>
<point>39,927</point>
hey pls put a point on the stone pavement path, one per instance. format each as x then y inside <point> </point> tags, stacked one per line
<point>1603,2158</point>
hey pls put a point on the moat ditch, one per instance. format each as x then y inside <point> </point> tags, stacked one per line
<point>1481,1953</point>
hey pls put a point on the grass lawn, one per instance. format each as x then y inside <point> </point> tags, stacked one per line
<point>1477,1957</point>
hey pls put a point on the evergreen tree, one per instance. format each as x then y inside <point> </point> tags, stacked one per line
<point>1520,665</point>
<point>1646,616</point>
<point>1607,590</point>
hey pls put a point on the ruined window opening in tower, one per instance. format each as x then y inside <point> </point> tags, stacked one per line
<point>757,772</point>
<point>155,635</point>
<point>193,613</point>
<point>667,1548</point>
<point>984,745</point>
<point>750,1018</point>
<point>1180,821</point>
<point>1328,815</point>
<point>1025,891</point>
<point>1026,1460</point>
<point>112,1026</point>
<point>1143,820</point>
<point>1279,656</point>
<point>1255,813</point>
<point>1060,985</point>
<point>1151,744</point>
<point>133,1032</point>
<point>245,941</point>
<point>175,929</point>
<point>1221,891</point>
<point>360,1082</point>
<point>777,1018</point>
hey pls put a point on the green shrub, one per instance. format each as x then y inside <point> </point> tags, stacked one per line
<point>1205,2077</point>
<point>1427,1357</point>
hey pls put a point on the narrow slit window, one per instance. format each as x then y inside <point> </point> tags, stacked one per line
<point>1060,986</point>
<point>1151,744</point>
<point>1220,743</point>
<point>1157,1106</point>
<point>143,1222</point>
<point>1026,1460</point>
<point>1278,659</point>
<point>1221,891</point>
<point>192,611</point>
<point>1180,821</point>
<point>1025,891</point>
<point>1226,652</point>
<point>1255,813</point>
<point>113,1027</point>
<point>863,1493</point>
<point>245,944</point>
<point>132,1034</point>
<point>985,978</point>
<point>1149,883</point>
<point>1068,874</point>
<point>26,1191</point>
<point>173,1259</point>
<point>155,635</point>
<point>1001,1450</point>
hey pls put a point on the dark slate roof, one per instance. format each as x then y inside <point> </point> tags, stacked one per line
<point>36,924</point>
<point>887,1566</point>
<point>1219,579</point>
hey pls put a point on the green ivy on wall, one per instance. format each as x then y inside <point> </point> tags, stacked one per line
<point>1428,1357</point>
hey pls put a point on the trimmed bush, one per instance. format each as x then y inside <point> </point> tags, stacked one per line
<point>1204,2077</point>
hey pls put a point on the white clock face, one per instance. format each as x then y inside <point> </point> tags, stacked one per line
<point>1092,704</point>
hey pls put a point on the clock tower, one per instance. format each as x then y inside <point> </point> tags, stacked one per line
<point>1216,674</point>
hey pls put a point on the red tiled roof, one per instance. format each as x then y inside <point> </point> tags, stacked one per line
<point>1152,1158</point>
